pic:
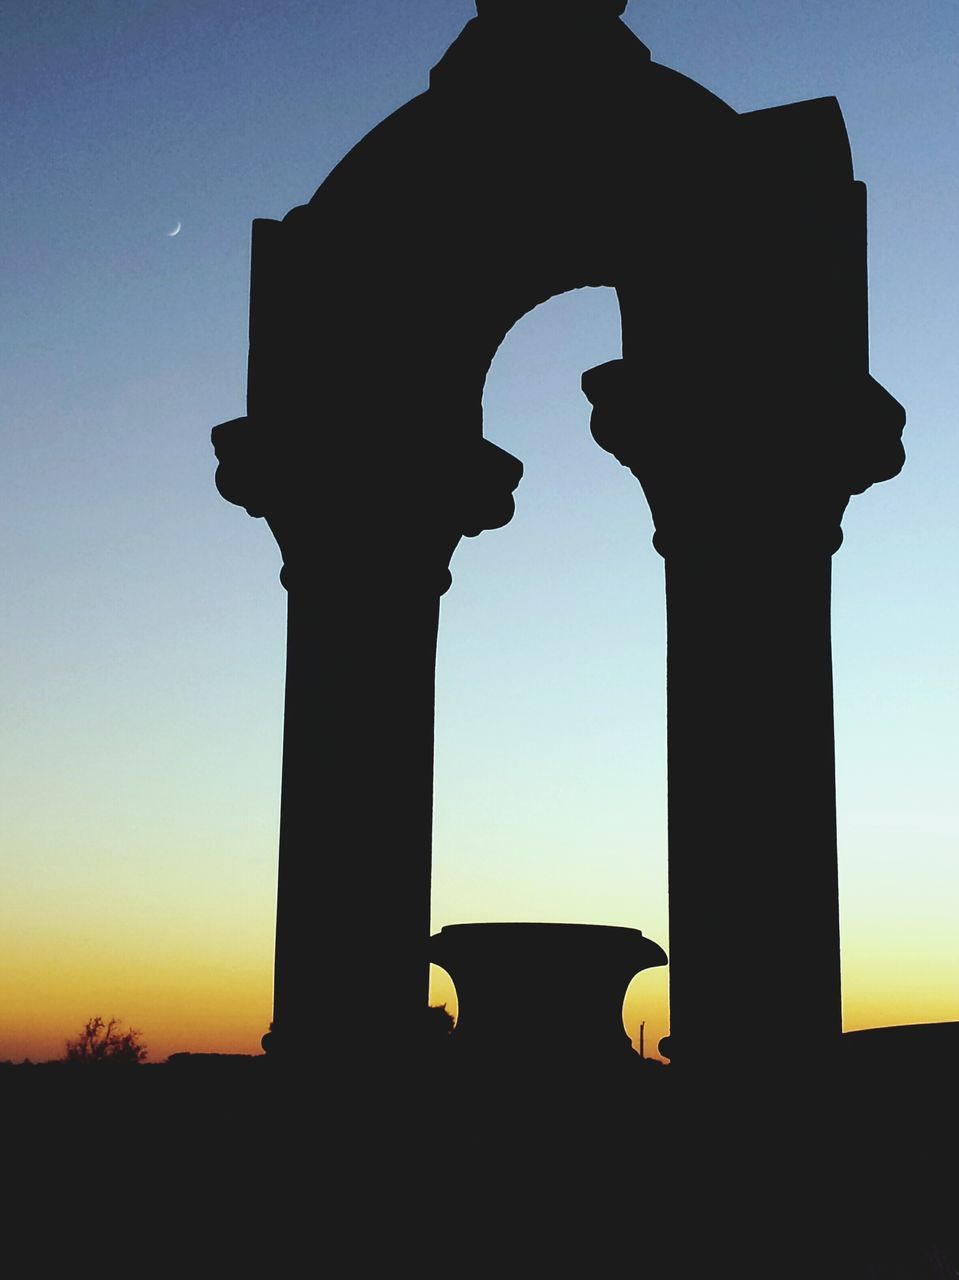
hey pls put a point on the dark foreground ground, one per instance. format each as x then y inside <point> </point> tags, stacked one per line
<point>232,1166</point>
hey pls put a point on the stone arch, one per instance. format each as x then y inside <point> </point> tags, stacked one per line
<point>547,154</point>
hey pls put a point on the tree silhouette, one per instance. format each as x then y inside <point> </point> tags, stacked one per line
<point>101,1042</point>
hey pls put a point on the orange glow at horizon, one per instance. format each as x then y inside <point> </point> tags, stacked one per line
<point>204,999</point>
<point>186,997</point>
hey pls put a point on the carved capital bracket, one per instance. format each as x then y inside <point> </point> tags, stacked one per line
<point>409,509</point>
<point>775,474</point>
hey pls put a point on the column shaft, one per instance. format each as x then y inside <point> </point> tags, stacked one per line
<point>355,834</point>
<point>753,880</point>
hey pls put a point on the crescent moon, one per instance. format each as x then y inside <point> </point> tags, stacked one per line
<point>176,229</point>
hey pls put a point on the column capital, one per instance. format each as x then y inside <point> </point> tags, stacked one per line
<point>405,504</point>
<point>752,476</point>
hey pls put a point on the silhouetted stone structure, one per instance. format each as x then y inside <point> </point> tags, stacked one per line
<point>551,153</point>
<point>542,997</point>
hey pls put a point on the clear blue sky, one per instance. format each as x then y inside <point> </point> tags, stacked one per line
<point>143,622</point>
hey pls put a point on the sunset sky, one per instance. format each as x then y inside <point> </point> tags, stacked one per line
<point>142,679</point>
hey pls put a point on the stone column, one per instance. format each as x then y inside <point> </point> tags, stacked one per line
<point>745,408</point>
<point>364,568</point>
<point>753,882</point>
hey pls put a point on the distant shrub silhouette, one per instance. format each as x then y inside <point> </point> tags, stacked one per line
<point>104,1043</point>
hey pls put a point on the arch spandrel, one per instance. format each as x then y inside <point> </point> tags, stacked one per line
<point>498,188</point>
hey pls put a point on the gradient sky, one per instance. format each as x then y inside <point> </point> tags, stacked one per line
<point>143,620</point>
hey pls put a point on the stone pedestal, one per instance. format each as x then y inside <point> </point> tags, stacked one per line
<point>544,998</point>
